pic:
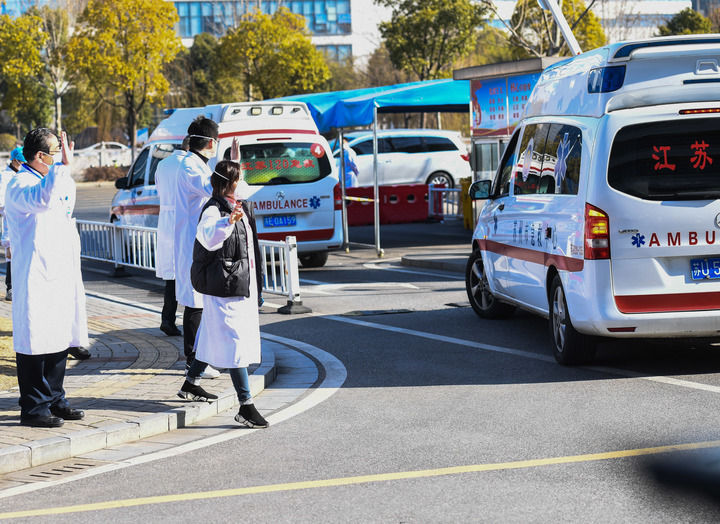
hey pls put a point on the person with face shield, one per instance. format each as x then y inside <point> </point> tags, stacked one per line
<point>49,299</point>
<point>226,269</point>
<point>16,162</point>
<point>192,191</point>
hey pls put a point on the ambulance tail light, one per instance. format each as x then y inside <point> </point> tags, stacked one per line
<point>465,157</point>
<point>597,233</point>
<point>337,196</point>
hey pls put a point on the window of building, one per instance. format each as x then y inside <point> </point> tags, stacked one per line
<point>336,53</point>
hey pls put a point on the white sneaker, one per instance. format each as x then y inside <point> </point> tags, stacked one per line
<point>210,372</point>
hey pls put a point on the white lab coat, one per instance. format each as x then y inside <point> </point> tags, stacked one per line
<point>48,295</point>
<point>192,191</point>
<point>5,176</point>
<point>229,332</point>
<point>165,181</point>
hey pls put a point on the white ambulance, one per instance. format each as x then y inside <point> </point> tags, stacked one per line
<point>604,214</point>
<point>287,163</point>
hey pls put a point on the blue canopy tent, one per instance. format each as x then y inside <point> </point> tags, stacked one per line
<point>360,107</point>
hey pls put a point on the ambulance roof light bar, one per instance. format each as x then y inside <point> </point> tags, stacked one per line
<point>554,8</point>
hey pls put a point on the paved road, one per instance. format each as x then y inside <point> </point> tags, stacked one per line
<point>442,417</point>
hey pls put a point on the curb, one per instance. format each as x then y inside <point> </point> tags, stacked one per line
<point>452,262</point>
<point>52,449</point>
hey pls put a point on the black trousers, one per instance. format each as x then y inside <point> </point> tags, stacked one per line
<point>169,303</point>
<point>191,323</point>
<point>40,378</point>
<point>8,276</point>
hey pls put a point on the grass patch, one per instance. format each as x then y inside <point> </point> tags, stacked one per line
<point>8,375</point>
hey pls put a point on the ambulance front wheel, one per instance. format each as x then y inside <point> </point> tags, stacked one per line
<point>481,298</point>
<point>317,259</point>
<point>569,346</point>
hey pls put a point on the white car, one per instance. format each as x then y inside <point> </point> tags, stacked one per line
<point>411,156</point>
<point>604,215</point>
<point>104,154</point>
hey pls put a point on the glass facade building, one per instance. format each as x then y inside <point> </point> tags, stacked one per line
<point>324,17</point>
<point>18,7</point>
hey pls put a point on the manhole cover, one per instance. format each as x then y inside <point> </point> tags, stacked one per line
<point>54,471</point>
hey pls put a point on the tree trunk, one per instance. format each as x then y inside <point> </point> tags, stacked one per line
<point>58,112</point>
<point>132,123</point>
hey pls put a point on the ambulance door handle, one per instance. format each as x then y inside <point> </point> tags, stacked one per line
<point>138,192</point>
<point>548,232</point>
<point>501,207</point>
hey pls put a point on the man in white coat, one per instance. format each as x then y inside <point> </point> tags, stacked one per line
<point>193,190</point>
<point>49,300</point>
<point>166,184</point>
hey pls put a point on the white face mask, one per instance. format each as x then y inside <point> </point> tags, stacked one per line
<point>56,159</point>
<point>242,191</point>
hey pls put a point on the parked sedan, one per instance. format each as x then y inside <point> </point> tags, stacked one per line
<point>411,156</point>
<point>104,154</point>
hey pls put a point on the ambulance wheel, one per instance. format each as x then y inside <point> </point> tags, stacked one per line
<point>569,346</point>
<point>317,259</point>
<point>481,298</point>
<point>440,178</point>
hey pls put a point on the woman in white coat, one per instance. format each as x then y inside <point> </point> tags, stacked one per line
<point>226,270</point>
<point>48,307</point>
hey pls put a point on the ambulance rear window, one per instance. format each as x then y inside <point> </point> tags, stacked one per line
<point>284,163</point>
<point>669,160</point>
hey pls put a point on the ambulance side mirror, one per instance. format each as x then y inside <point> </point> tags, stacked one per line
<point>480,190</point>
<point>121,183</point>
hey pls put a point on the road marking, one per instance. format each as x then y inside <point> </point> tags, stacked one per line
<point>326,288</point>
<point>361,479</point>
<point>335,376</point>
<point>520,353</point>
<point>447,276</point>
<point>441,338</point>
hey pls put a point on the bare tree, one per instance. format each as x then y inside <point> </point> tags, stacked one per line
<point>534,30</point>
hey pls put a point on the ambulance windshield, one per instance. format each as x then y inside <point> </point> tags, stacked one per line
<point>669,160</point>
<point>273,163</point>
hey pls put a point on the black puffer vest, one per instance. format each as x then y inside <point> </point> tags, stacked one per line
<point>226,272</point>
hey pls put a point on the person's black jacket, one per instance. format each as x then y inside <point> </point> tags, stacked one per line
<point>226,271</point>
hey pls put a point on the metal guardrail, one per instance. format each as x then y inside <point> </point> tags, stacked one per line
<point>444,202</point>
<point>135,246</point>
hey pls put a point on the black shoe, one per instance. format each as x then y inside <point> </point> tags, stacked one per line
<point>170,330</point>
<point>190,391</point>
<point>67,413</point>
<point>8,297</point>
<point>42,421</point>
<point>79,353</point>
<point>249,416</point>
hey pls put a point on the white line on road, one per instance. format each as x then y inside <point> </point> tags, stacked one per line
<point>335,375</point>
<point>446,276</point>
<point>520,353</point>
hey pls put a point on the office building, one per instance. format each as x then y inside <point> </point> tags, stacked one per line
<point>339,28</point>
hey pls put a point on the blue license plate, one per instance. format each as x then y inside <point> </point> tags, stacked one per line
<point>704,268</point>
<point>280,221</point>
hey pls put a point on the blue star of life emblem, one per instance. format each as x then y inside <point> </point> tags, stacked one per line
<point>314,202</point>
<point>638,240</point>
